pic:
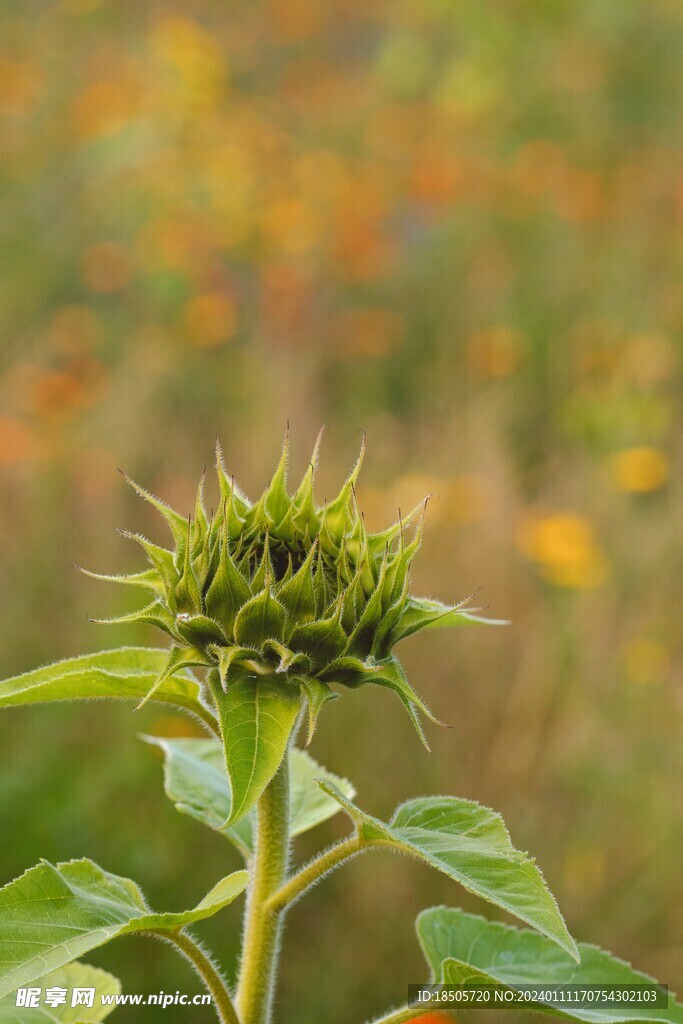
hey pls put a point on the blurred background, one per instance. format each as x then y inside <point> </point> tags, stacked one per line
<point>457,226</point>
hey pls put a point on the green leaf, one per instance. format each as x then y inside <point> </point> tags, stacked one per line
<point>318,693</point>
<point>257,718</point>
<point>322,640</point>
<point>261,618</point>
<point>148,579</point>
<point>53,914</point>
<point>153,614</point>
<point>462,947</point>
<point>390,673</point>
<point>421,613</point>
<point>196,781</point>
<point>227,656</point>
<point>276,500</point>
<point>229,590</point>
<point>188,593</point>
<point>297,594</point>
<point>195,778</point>
<point>199,630</point>
<point>176,523</point>
<point>471,845</point>
<point>126,673</point>
<point>75,975</point>
<point>161,559</point>
<point>179,658</point>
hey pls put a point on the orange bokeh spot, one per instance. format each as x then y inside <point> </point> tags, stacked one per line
<point>496,352</point>
<point>55,396</point>
<point>435,178</point>
<point>362,250</point>
<point>105,267</point>
<point>21,86</point>
<point>294,19</point>
<point>290,225</point>
<point>211,319</point>
<point>16,441</point>
<point>74,330</point>
<point>105,106</point>
<point>372,332</point>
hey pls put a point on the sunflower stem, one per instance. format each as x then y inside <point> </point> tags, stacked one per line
<point>263,925</point>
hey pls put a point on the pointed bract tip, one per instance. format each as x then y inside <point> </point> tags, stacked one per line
<point>316,447</point>
<point>361,456</point>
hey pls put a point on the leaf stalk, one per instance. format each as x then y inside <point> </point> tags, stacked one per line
<point>207,971</point>
<point>312,872</point>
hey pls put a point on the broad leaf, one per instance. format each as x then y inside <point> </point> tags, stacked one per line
<point>464,948</point>
<point>196,781</point>
<point>471,845</point>
<point>423,613</point>
<point>52,915</point>
<point>124,673</point>
<point>71,976</point>
<point>257,718</point>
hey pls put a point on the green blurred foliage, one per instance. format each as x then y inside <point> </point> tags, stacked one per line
<point>456,225</point>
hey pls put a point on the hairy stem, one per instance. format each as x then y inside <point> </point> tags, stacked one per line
<point>313,872</point>
<point>263,925</point>
<point>208,720</point>
<point>209,974</point>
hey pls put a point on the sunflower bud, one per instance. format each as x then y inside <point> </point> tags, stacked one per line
<point>286,589</point>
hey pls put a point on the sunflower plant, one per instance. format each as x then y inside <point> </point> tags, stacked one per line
<point>272,609</point>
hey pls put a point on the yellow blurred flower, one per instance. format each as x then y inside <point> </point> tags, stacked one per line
<point>468,90</point>
<point>565,549</point>
<point>645,661</point>
<point>411,489</point>
<point>639,470</point>
<point>211,319</point>
<point>452,501</point>
<point>194,54</point>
